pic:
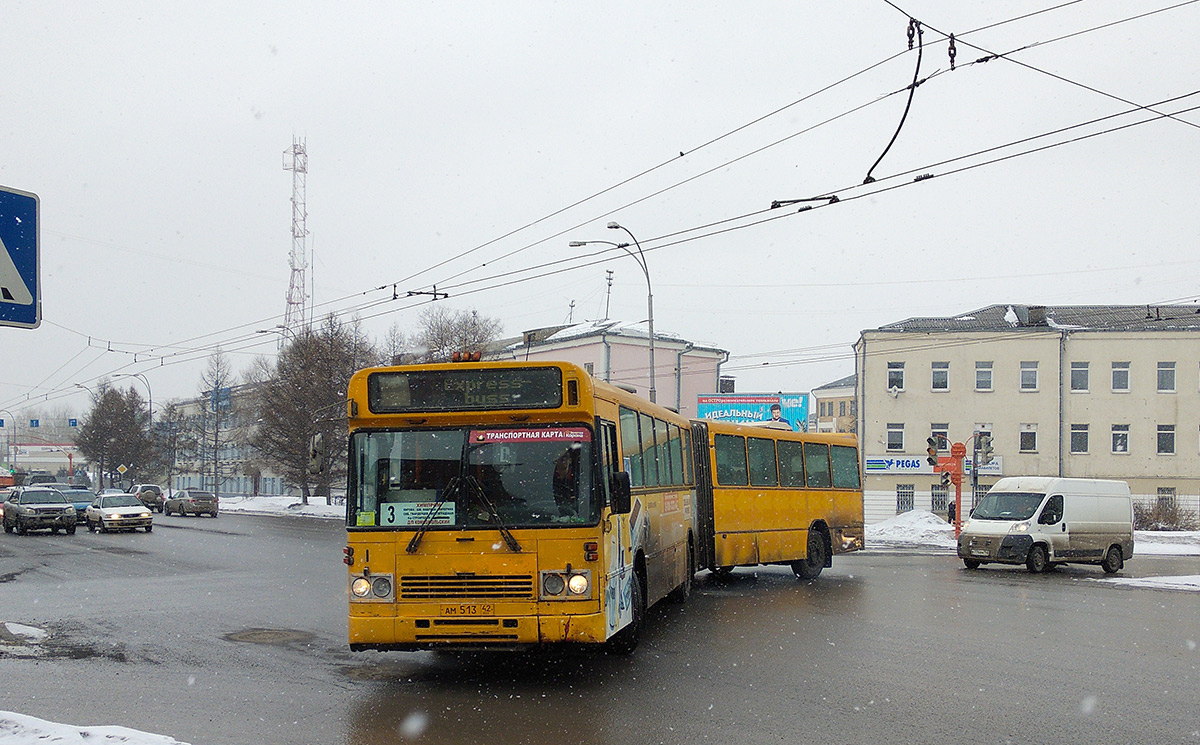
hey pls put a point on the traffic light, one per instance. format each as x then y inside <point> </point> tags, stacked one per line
<point>932,450</point>
<point>985,449</point>
<point>946,478</point>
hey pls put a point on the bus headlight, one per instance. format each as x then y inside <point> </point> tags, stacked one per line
<point>553,584</point>
<point>568,584</point>
<point>379,588</point>
<point>578,584</point>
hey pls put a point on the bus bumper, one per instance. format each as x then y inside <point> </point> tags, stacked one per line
<point>410,633</point>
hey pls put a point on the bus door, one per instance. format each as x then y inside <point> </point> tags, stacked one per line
<point>704,497</point>
<point>615,546</point>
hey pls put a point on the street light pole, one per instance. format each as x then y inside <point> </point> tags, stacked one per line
<point>8,440</point>
<point>149,393</point>
<point>640,258</point>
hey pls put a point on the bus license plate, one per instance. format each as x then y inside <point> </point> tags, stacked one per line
<point>469,609</point>
<point>979,552</point>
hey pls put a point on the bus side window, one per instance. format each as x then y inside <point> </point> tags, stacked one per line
<point>816,465</point>
<point>845,467</point>
<point>731,459</point>
<point>791,463</point>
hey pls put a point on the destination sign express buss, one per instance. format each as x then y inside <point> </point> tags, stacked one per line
<point>495,505</point>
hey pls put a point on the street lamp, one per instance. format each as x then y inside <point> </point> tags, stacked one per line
<point>8,441</point>
<point>640,258</point>
<point>149,393</point>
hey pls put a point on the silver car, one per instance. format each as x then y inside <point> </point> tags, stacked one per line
<point>192,502</point>
<point>118,512</point>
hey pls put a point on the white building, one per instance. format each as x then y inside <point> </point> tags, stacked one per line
<point>1084,391</point>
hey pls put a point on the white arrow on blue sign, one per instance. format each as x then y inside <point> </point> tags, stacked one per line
<point>20,259</point>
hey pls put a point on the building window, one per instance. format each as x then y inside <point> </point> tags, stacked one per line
<point>1079,376</point>
<point>895,376</point>
<point>1028,438</point>
<point>589,368</point>
<point>1166,439</point>
<point>1166,377</point>
<point>941,376</point>
<point>1079,438</point>
<point>983,376</point>
<point>895,437</point>
<point>939,497</point>
<point>1166,498</point>
<point>853,407</point>
<point>904,497</point>
<point>1029,381</point>
<point>841,408</point>
<point>1120,438</point>
<point>1120,376</point>
<point>941,433</point>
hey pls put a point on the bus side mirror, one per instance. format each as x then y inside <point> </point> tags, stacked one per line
<point>622,499</point>
<point>316,455</point>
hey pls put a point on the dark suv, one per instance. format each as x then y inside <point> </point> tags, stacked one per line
<point>38,508</point>
<point>150,495</point>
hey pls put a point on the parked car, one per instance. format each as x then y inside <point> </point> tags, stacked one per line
<point>150,494</point>
<point>118,512</point>
<point>80,497</point>
<point>192,502</point>
<point>38,508</point>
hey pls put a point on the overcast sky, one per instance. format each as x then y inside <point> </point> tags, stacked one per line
<point>459,144</point>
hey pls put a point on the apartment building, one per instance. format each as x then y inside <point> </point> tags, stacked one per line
<point>835,407</point>
<point>1082,391</point>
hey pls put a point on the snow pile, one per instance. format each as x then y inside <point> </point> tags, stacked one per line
<point>1191,583</point>
<point>914,529</point>
<point>285,505</point>
<point>1173,542</point>
<point>18,729</point>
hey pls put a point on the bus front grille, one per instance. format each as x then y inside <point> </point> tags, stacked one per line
<point>454,587</point>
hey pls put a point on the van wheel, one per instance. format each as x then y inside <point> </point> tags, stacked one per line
<point>1037,561</point>
<point>1113,560</point>
<point>972,563</point>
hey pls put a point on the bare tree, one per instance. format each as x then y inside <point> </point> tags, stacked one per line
<point>444,332</point>
<point>213,424</point>
<point>304,393</point>
<point>395,344</point>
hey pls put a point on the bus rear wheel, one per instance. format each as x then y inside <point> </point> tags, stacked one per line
<point>810,567</point>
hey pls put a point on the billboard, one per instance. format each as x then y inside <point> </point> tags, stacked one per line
<point>755,408</point>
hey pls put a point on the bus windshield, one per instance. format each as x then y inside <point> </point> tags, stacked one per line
<point>472,478</point>
<point>1007,506</point>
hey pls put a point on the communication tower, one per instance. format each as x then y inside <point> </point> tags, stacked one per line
<point>295,159</point>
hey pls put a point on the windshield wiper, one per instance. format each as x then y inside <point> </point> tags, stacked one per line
<point>477,490</point>
<point>447,492</point>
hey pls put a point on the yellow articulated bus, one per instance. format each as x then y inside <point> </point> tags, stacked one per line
<point>774,496</point>
<point>497,505</point>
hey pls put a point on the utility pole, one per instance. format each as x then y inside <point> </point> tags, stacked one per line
<point>295,159</point>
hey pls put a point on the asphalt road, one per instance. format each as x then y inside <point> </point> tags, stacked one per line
<point>232,631</point>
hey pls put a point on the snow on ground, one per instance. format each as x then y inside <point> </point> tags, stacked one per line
<point>918,530</point>
<point>18,729</point>
<point>316,506</point>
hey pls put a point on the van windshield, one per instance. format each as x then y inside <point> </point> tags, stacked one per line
<point>1007,506</point>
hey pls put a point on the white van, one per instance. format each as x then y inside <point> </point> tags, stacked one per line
<point>1041,521</point>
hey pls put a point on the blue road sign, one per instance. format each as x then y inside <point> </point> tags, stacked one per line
<point>20,259</point>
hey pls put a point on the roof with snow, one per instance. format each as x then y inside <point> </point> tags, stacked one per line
<point>1014,317</point>
<point>846,382</point>
<point>607,327</point>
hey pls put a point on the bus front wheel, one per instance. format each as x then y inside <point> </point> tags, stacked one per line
<point>811,566</point>
<point>627,638</point>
